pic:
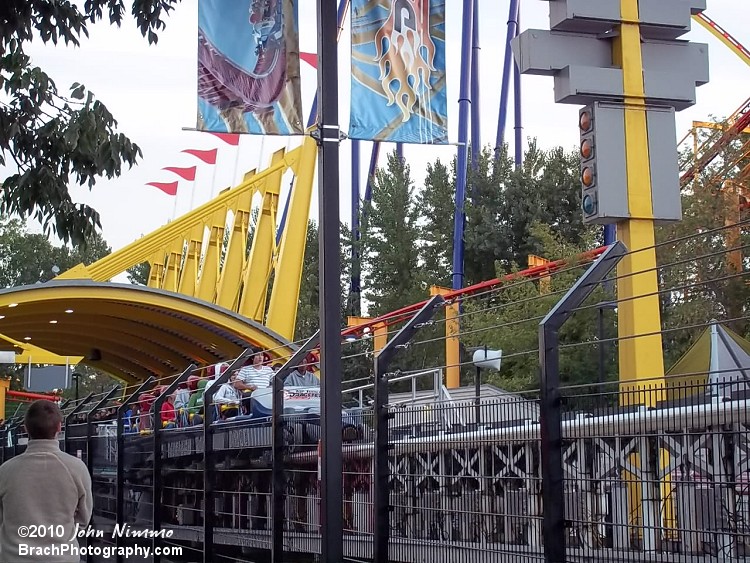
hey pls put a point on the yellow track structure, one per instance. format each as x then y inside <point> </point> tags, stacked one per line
<point>724,36</point>
<point>204,254</point>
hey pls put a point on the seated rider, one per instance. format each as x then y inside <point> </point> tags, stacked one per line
<point>228,398</point>
<point>254,375</point>
<point>168,414</point>
<point>302,377</point>
<point>195,404</point>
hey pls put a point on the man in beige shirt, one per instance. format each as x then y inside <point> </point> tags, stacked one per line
<point>43,488</point>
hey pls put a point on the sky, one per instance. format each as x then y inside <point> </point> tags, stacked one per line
<point>151,90</point>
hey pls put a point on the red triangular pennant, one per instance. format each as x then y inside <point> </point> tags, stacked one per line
<point>184,173</point>
<point>229,138</point>
<point>310,58</point>
<point>209,156</point>
<point>169,188</point>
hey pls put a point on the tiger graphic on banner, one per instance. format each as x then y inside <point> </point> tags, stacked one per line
<point>398,71</point>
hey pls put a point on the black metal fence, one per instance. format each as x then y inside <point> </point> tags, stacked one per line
<point>582,469</point>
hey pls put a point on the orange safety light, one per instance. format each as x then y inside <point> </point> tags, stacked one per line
<point>587,176</point>
<point>584,121</point>
<point>587,149</point>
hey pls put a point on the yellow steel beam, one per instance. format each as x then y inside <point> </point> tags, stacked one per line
<point>144,248</point>
<point>37,355</point>
<point>174,262</point>
<point>4,386</point>
<point>379,332</point>
<point>725,37</point>
<point>156,272</point>
<point>258,268</point>
<point>452,342</point>
<point>715,126</point>
<point>189,273</point>
<point>639,320</point>
<point>282,308</point>
<point>227,294</point>
<point>209,273</point>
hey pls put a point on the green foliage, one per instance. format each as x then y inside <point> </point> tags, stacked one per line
<point>436,205</point>
<point>138,274</point>
<point>90,381</point>
<point>508,320</point>
<point>308,320</point>
<point>504,204</point>
<point>28,258</point>
<point>52,138</point>
<point>390,241</point>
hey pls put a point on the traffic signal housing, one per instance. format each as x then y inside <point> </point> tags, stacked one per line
<point>603,172</point>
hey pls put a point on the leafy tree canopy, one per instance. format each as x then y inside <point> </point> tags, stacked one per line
<point>29,258</point>
<point>54,137</point>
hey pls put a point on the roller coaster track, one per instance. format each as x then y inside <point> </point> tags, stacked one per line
<point>724,36</point>
<point>737,123</point>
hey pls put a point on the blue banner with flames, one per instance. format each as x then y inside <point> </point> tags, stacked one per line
<point>398,71</point>
<point>248,67</point>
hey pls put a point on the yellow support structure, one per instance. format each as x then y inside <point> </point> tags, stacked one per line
<point>144,248</point>
<point>379,332</point>
<point>174,262</point>
<point>234,258</point>
<point>189,274</point>
<point>4,386</point>
<point>282,308</point>
<point>156,273</point>
<point>258,269</point>
<point>639,319</point>
<point>641,360</point>
<point>452,342</point>
<point>209,274</point>
<point>544,281</point>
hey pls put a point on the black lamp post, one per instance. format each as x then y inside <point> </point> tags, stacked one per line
<point>600,335</point>
<point>76,377</point>
<point>488,359</point>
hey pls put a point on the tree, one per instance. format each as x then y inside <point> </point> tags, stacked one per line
<point>436,204</point>
<point>504,203</point>
<point>139,274</point>
<point>509,319</point>
<point>308,319</point>
<point>701,257</point>
<point>29,258</point>
<point>90,381</point>
<point>390,238</point>
<point>51,137</point>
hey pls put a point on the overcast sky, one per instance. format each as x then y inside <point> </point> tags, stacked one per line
<point>151,91</point>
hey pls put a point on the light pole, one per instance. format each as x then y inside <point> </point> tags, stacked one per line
<point>600,335</point>
<point>76,377</point>
<point>483,358</point>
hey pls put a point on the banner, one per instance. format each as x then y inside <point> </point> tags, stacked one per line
<point>398,71</point>
<point>248,67</point>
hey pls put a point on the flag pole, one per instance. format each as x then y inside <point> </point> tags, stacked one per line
<point>236,160</point>
<point>192,192</point>
<point>327,135</point>
<point>213,181</point>
<point>174,207</point>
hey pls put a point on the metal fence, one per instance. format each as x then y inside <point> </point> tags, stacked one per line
<point>580,469</point>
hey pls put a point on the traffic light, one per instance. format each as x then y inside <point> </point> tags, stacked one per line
<point>589,203</point>
<point>603,173</point>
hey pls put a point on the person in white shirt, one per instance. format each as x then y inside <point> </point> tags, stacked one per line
<point>256,375</point>
<point>228,398</point>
